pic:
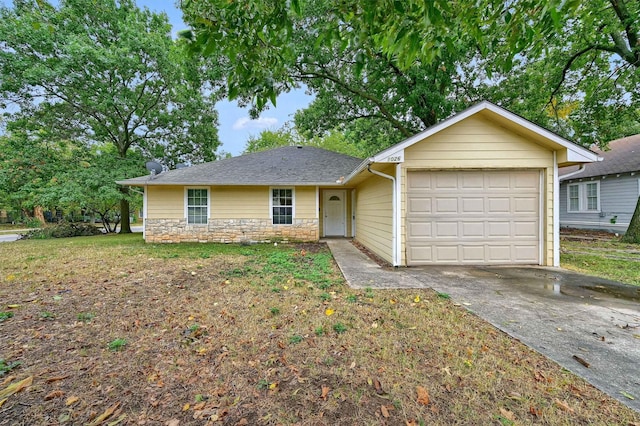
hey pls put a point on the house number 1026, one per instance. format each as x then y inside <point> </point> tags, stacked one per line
<point>394,159</point>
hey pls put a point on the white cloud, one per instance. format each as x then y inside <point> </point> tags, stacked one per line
<point>260,123</point>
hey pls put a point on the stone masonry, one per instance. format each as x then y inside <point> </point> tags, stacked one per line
<point>229,231</point>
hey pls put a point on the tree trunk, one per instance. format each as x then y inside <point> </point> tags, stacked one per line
<point>38,213</point>
<point>633,232</point>
<point>125,227</point>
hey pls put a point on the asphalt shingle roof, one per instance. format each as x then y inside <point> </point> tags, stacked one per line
<point>289,165</point>
<point>622,156</point>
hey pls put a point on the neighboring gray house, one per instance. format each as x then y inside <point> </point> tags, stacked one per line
<point>602,195</point>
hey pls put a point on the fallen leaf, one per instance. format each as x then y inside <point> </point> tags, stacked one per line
<point>13,306</point>
<point>378,386</point>
<point>325,392</point>
<point>563,406</point>
<point>7,380</point>
<point>173,422</point>
<point>535,411</point>
<point>507,414</point>
<point>71,400</point>
<point>416,299</point>
<point>186,407</point>
<point>16,387</point>
<point>52,395</point>
<point>423,395</point>
<point>118,420</point>
<point>627,395</point>
<point>56,379</point>
<point>329,311</point>
<point>273,386</point>
<point>243,422</point>
<point>3,401</point>
<point>581,361</point>
<point>411,423</point>
<point>107,413</point>
<point>384,411</point>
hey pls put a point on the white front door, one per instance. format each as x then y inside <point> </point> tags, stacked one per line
<point>334,213</point>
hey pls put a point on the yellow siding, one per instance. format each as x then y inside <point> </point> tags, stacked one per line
<point>477,143</point>
<point>240,202</point>
<point>305,202</point>
<point>374,214</point>
<point>165,202</point>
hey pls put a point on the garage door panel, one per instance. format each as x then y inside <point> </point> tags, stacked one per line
<point>499,253</point>
<point>525,229</point>
<point>473,217</point>
<point>472,254</point>
<point>445,180</point>
<point>419,206</point>
<point>499,229</point>
<point>445,253</point>
<point>498,205</point>
<point>525,205</point>
<point>473,205</point>
<point>446,229</point>
<point>498,180</point>
<point>472,230</point>
<point>446,205</point>
<point>421,230</point>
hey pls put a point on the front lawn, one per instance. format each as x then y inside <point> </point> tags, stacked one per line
<point>109,330</point>
<point>600,254</point>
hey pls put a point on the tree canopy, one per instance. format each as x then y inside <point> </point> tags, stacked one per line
<point>106,72</point>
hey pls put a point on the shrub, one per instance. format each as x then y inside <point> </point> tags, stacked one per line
<point>62,230</point>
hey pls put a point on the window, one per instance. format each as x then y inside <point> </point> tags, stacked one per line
<point>197,206</point>
<point>282,206</point>
<point>583,197</point>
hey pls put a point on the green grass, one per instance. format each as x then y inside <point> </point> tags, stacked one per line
<point>610,259</point>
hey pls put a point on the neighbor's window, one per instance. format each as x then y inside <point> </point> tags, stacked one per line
<point>282,206</point>
<point>584,197</point>
<point>197,206</point>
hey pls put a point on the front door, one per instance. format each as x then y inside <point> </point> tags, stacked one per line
<point>334,213</point>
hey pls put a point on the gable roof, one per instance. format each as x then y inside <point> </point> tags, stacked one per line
<point>574,152</point>
<point>622,156</point>
<point>288,165</point>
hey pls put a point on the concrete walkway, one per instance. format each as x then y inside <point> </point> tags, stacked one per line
<point>556,312</point>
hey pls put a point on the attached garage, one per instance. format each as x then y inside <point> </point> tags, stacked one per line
<point>480,188</point>
<point>473,217</point>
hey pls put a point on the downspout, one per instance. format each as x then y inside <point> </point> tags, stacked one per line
<point>394,215</point>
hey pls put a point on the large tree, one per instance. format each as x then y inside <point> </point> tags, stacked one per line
<point>107,72</point>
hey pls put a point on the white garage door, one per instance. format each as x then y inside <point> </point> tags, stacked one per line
<point>473,217</point>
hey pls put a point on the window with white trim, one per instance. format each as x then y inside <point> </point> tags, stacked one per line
<point>197,206</point>
<point>282,206</point>
<point>583,197</point>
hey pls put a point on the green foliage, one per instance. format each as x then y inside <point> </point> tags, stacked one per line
<point>5,315</point>
<point>86,316</point>
<point>62,230</point>
<point>6,367</point>
<point>339,328</point>
<point>100,73</point>
<point>117,344</point>
<point>295,339</point>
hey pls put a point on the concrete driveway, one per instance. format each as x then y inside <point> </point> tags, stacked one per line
<point>563,315</point>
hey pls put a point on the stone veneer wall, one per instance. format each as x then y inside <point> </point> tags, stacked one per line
<point>229,231</point>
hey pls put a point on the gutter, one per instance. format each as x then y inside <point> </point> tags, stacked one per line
<point>568,175</point>
<point>394,233</point>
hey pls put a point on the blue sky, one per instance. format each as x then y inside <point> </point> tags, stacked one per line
<point>235,126</point>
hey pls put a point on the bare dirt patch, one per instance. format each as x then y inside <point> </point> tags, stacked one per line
<point>113,331</point>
